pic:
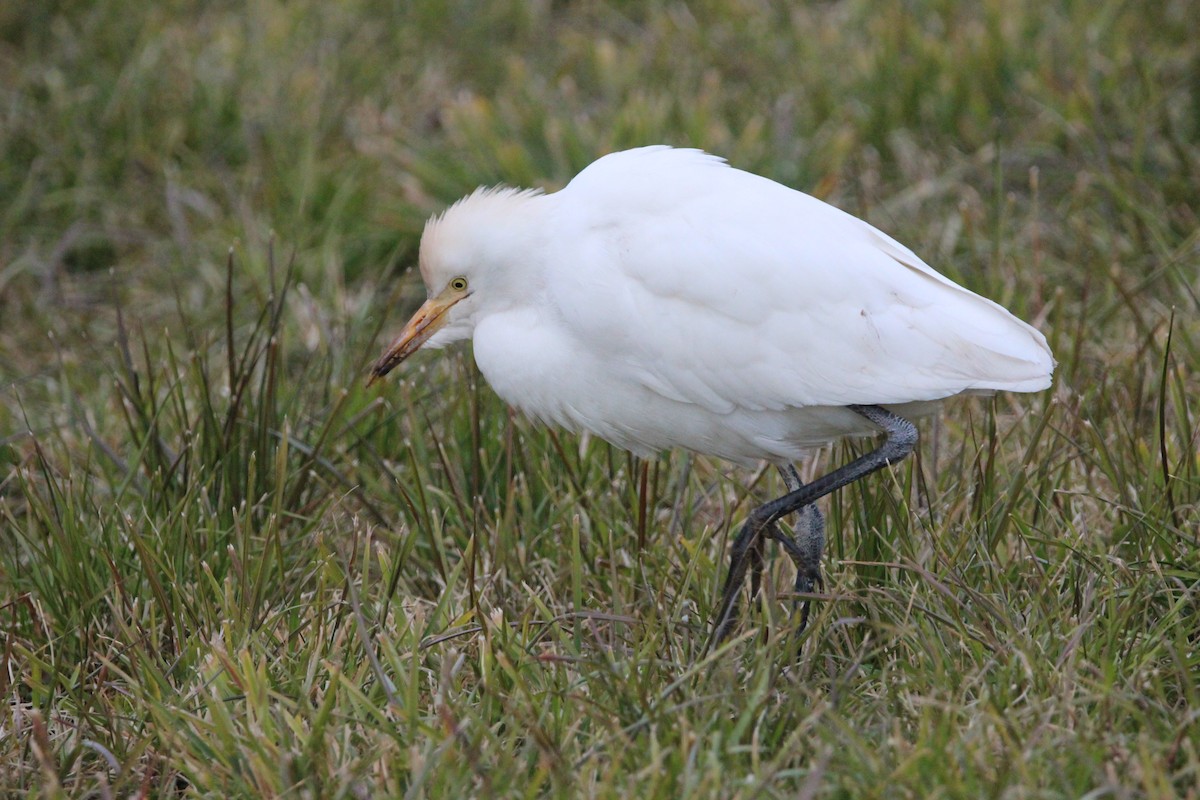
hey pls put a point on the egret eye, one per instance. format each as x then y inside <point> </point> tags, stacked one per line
<point>459,284</point>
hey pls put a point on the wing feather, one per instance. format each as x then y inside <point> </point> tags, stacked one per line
<point>713,286</point>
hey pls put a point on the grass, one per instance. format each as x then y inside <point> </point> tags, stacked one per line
<point>229,570</point>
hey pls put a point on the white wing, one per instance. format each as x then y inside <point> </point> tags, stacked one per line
<point>714,286</point>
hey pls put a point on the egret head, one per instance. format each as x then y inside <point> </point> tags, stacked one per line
<point>475,257</point>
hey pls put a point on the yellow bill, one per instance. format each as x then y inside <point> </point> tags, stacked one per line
<point>429,318</point>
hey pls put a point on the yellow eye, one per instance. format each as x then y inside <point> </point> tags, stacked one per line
<point>459,284</point>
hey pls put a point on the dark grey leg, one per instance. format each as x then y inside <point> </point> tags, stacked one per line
<point>754,550</point>
<point>810,543</point>
<point>755,556</point>
<point>807,546</point>
<point>805,549</point>
<point>760,524</point>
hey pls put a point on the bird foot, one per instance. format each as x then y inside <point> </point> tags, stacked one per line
<point>746,556</point>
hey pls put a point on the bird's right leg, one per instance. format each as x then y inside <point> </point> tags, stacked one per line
<point>805,549</point>
<point>901,439</point>
<point>746,555</point>
<point>791,479</point>
<point>746,552</point>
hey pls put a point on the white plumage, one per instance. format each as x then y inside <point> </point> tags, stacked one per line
<point>664,299</point>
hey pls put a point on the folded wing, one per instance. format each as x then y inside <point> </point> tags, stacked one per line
<point>714,286</point>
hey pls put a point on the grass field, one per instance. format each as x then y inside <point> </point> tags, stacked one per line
<point>228,569</point>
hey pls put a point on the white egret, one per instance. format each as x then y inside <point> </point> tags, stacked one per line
<point>664,299</point>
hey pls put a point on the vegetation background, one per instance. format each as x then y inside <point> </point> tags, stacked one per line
<point>229,570</point>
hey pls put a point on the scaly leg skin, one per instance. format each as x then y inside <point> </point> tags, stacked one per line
<point>901,439</point>
<point>806,547</point>
<point>747,556</point>
<point>746,551</point>
<point>791,479</point>
<point>755,556</point>
<point>805,551</point>
<point>810,540</point>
